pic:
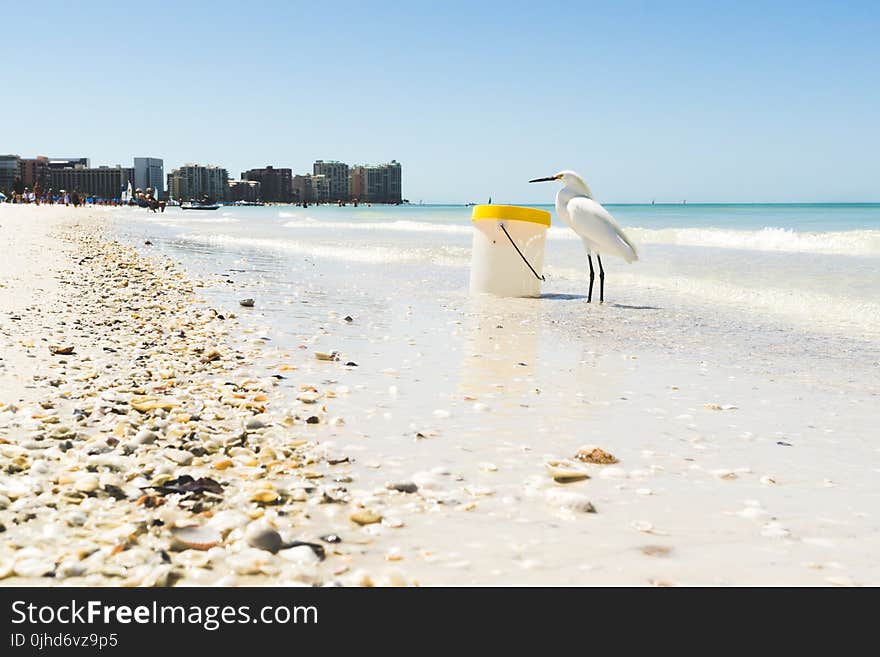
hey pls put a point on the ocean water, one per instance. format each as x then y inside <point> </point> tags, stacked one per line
<point>808,266</point>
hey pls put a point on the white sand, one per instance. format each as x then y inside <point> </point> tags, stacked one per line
<point>29,260</point>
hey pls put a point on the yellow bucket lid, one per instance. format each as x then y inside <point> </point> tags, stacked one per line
<point>511,213</point>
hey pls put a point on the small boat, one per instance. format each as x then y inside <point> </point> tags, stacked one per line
<point>195,205</point>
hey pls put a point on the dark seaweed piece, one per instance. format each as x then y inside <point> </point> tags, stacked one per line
<point>115,492</point>
<point>186,484</point>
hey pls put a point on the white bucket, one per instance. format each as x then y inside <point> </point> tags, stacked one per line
<point>507,257</point>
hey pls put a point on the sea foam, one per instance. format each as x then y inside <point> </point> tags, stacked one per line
<point>851,242</point>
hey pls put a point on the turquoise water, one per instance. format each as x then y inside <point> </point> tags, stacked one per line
<point>795,216</point>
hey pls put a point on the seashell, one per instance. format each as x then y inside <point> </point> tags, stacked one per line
<point>307,397</point>
<point>62,432</point>
<point>247,303</point>
<point>365,517</point>
<point>300,554</point>
<point>596,455</point>
<point>146,437</point>
<point>195,537</point>
<point>146,404</point>
<point>264,497</point>
<point>724,474</point>
<point>71,568</point>
<point>719,407</point>
<point>59,350</point>
<point>211,355</point>
<point>323,355</point>
<point>34,567</point>
<point>565,472</point>
<point>179,456</point>
<point>87,483</point>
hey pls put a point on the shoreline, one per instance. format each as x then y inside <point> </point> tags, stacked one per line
<point>743,457</point>
<point>147,451</point>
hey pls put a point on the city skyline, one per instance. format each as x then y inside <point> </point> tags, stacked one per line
<point>328,181</point>
<point>733,102</point>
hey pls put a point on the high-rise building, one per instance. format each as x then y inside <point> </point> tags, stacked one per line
<point>194,182</point>
<point>311,189</point>
<point>99,182</point>
<point>302,188</point>
<point>356,183</point>
<point>9,173</point>
<point>321,188</point>
<point>149,172</point>
<point>393,182</point>
<point>376,183</point>
<point>276,185</point>
<point>337,177</point>
<point>244,190</point>
<point>34,172</point>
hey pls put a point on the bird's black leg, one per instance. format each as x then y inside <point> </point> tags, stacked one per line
<point>592,276</point>
<point>601,280</point>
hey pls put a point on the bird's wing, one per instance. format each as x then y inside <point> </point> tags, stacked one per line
<point>593,222</point>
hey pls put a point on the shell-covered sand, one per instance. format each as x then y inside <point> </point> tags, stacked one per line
<point>137,447</point>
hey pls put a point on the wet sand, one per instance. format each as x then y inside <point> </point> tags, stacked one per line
<point>746,452</point>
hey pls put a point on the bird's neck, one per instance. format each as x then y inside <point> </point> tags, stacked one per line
<point>570,191</point>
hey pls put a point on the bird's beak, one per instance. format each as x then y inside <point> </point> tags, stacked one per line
<point>548,178</point>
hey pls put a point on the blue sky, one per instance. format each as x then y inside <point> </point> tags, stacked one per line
<point>745,101</point>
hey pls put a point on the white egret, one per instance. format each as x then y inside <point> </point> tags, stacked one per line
<point>593,224</point>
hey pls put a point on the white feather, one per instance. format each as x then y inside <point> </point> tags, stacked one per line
<point>593,223</point>
<point>596,226</point>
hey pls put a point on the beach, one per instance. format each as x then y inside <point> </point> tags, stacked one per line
<point>367,422</point>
